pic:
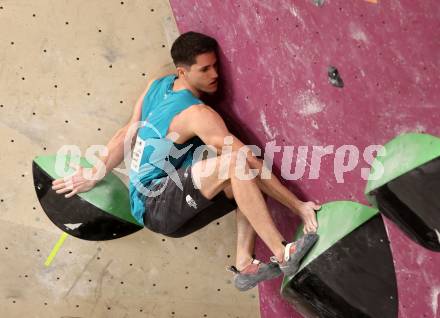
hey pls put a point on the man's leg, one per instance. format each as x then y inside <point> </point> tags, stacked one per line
<point>249,200</point>
<point>245,241</point>
<point>245,236</point>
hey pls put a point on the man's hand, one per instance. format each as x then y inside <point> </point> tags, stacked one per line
<point>79,181</point>
<point>306,211</point>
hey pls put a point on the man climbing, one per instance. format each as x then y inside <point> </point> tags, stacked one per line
<point>169,121</point>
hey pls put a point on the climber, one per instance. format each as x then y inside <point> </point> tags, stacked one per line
<point>170,121</point>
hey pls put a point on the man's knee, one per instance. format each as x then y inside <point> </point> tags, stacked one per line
<point>230,163</point>
<point>222,169</point>
<point>241,167</point>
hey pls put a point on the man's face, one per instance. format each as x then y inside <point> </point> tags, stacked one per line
<point>203,75</point>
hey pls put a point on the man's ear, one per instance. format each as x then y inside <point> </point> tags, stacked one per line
<point>182,70</point>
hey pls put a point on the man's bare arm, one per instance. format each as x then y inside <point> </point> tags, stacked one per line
<point>116,144</point>
<point>78,182</point>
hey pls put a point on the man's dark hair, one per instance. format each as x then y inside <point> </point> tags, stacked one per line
<point>190,44</point>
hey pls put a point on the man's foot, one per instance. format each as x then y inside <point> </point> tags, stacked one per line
<point>254,273</point>
<point>294,252</point>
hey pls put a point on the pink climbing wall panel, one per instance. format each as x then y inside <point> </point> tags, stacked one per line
<point>275,56</point>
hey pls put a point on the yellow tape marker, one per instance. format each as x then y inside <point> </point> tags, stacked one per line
<point>56,249</point>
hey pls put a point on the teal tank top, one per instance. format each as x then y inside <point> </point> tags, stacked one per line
<point>154,156</point>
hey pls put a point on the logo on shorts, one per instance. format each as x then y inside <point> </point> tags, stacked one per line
<point>191,201</point>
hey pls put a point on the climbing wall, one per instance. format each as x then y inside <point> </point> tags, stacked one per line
<point>70,74</point>
<point>330,73</point>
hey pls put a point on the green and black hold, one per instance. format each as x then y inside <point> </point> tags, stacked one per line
<point>350,271</point>
<point>408,190</point>
<point>103,213</point>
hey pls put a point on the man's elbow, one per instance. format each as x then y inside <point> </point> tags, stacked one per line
<point>210,140</point>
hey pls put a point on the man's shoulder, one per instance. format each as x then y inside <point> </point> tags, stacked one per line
<point>201,106</point>
<point>158,79</point>
<point>199,109</point>
<point>194,113</point>
<point>201,114</point>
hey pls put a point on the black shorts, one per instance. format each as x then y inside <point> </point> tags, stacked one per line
<point>177,213</point>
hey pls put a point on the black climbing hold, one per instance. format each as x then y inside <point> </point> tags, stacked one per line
<point>334,77</point>
<point>413,203</point>
<point>353,278</point>
<point>407,190</point>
